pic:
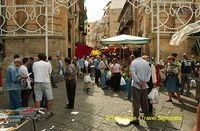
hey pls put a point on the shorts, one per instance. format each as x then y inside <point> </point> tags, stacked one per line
<point>41,89</point>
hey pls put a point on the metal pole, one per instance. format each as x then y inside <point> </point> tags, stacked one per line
<point>46,27</point>
<point>123,52</point>
<point>158,34</point>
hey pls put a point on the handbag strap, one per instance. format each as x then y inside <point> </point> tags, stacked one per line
<point>106,65</point>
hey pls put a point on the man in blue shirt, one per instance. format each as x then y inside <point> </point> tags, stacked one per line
<point>97,71</point>
<point>187,69</point>
<point>13,84</point>
<point>141,73</point>
<point>81,63</point>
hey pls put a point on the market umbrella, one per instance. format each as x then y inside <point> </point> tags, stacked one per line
<point>125,39</point>
<point>190,29</point>
<point>82,50</point>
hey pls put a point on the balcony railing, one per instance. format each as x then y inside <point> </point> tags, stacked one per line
<point>127,18</point>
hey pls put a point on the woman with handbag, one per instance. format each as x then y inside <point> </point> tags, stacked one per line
<point>172,79</point>
<point>116,74</point>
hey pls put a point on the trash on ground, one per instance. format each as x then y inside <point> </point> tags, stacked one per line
<point>122,121</point>
<point>128,110</point>
<point>74,112</point>
<point>52,127</point>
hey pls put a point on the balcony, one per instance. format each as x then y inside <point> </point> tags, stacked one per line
<point>126,19</point>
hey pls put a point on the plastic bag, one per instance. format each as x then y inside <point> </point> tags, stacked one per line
<point>154,96</point>
<point>61,72</point>
<point>162,76</point>
<point>193,83</point>
<point>87,79</point>
<point>122,82</point>
<point>108,75</point>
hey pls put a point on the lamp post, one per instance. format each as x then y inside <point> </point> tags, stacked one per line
<point>158,34</point>
<point>46,27</point>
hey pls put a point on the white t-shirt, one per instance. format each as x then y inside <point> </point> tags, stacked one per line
<point>24,71</point>
<point>42,71</point>
<point>86,63</point>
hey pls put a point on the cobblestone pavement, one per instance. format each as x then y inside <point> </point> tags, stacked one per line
<point>97,112</point>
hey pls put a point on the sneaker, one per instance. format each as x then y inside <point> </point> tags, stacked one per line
<point>49,115</point>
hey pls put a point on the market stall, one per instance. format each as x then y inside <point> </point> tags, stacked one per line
<point>124,41</point>
<point>191,30</point>
<point>11,120</point>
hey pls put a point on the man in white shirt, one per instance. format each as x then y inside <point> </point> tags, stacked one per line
<point>42,71</point>
<point>60,66</point>
<point>26,83</point>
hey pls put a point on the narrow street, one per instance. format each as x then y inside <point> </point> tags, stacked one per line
<point>97,112</point>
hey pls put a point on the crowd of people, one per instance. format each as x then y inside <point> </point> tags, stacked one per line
<point>27,76</point>
<point>143,75</point>
<point>140,72</point>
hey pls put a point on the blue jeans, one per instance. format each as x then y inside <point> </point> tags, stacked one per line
<point>15,99</point>
<point>103,79</point>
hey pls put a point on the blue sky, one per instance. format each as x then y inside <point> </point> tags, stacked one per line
<point>95,9</point>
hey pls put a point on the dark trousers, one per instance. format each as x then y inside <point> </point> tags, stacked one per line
<point>129,89</point>
<point>97,76</point>
<point>185,80</point>
<point>71,89</point>
<point>25,97</point>
<point>150,105</point>
<point>140,99</point>
<point>52,81</point>
<point>150,84</point>
<point>116,81</point>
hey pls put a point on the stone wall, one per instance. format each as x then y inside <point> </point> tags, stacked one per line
<point>31,47</point>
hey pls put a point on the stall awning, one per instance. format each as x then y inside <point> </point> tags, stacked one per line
<point>82,50</point>
<point>125,39</point>
<point>189,30</point>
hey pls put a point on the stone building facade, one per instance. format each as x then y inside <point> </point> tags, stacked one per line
<point>139,20</point>
<point>24,29</point>
<point>108,25</point>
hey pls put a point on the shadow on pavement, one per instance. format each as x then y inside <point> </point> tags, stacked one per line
<point>187,103</point>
